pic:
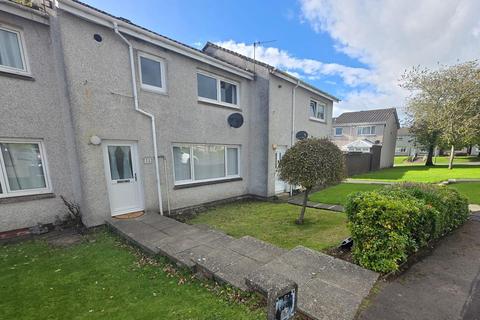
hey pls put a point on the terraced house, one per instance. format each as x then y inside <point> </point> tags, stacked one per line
<point>121,119</point>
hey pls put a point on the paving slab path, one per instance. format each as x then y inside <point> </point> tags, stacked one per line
<point>328,288</point>
<point>444,285</point>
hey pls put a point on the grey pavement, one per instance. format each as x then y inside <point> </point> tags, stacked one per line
<point>328,288</point>
<point>444,285</point>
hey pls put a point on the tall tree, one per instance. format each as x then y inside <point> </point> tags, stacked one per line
<point>445,104</point>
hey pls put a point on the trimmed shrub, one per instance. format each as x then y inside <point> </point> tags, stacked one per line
<point>390,224</point>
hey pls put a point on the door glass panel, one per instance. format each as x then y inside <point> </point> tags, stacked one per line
<point>120,158</point>
<point>24,167</point>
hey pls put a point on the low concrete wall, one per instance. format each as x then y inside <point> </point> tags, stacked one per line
<point>360,162</point>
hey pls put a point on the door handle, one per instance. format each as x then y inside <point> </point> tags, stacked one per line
<point>135,175</point>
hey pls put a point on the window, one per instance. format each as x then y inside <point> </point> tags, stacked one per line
<point>218,90</point>
<point>196,163</point>
<point>317,110</point>
<point>152,72</point>
<point>366,131</point>
<point>338,131</point>
<point>12,52</point>
<point>22,168</point>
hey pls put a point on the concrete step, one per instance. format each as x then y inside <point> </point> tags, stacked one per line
<point>328,288</point>
<point>233,262</point>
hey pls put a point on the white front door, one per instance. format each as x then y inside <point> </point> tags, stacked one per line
<point>280,185</point>
<point>121,169</point>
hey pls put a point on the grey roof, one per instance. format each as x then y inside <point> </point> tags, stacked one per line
<point>368,116</point>
<point>269,67</point>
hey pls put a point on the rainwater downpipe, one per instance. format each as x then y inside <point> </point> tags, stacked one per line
<point>149,115</point>
<point>292,135</point>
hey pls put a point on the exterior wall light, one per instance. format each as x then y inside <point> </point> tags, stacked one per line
<point>95,140</point>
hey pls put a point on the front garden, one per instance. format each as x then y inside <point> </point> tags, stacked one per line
<point>102,278</point>
<point>275,223</point>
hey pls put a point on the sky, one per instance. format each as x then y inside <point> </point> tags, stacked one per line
<point>356,50</point>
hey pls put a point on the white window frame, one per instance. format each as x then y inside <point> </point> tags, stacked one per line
<point>219,101</point>
<point>148,87</point>
<point>7,193</point>
<point>23,52</point>
<point>318,103</point>
<point>366,134</point>
<point>192,170</point>
<point>335,131</point>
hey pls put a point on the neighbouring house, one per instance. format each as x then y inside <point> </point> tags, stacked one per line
<point>292,109</point>
<point>358,131</point>
<point>118,118</point>
<point>407,144</point>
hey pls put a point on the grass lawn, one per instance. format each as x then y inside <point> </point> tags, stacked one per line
<point>338,194</point>
<point>469,189</point>
<point>104,279</point>
<point>422,174</point>
<point>457,159</point>
<point>275,223</point>
<point>402,160</point>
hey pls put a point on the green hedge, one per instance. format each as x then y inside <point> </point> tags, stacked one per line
<point>390,224</point>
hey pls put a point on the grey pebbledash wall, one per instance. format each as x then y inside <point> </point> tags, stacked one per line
<point>102,105</point>
<point>36,108</point>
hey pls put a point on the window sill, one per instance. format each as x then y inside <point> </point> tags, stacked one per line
<point>18,75</point>
<point>31,197</point>
<point>218,104</point>
<point>162,92</point>
<point>317,120</point>
<point>205,183</point>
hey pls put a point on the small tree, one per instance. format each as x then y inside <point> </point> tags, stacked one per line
<point>309,163</point>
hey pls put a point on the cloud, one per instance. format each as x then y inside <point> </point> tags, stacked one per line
<point>303,68</point>
<point>197,44</point>
<point>392,36</point>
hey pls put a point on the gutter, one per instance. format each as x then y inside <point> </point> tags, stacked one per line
<point>149,115</point>
<point>104,19</point>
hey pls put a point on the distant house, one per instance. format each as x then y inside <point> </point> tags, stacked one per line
<point>358,131</point>
<point>407,144</point>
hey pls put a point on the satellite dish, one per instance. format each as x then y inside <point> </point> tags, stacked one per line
<point>301,135</point>
<point>235,120</point>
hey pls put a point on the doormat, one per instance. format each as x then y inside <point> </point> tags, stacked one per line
<point>131,215</point>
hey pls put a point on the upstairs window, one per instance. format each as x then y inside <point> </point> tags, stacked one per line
<point>338,131</point>
<point>366,131</point>
<point>217,90</point>
<point>12,52</point>
<point>22,168</point>
<point>152,73</point>
<point>317,110</point>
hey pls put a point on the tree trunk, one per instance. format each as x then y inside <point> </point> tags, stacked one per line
<point>452,155</point>
<point>429,162</point>
<point>304,207</point>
